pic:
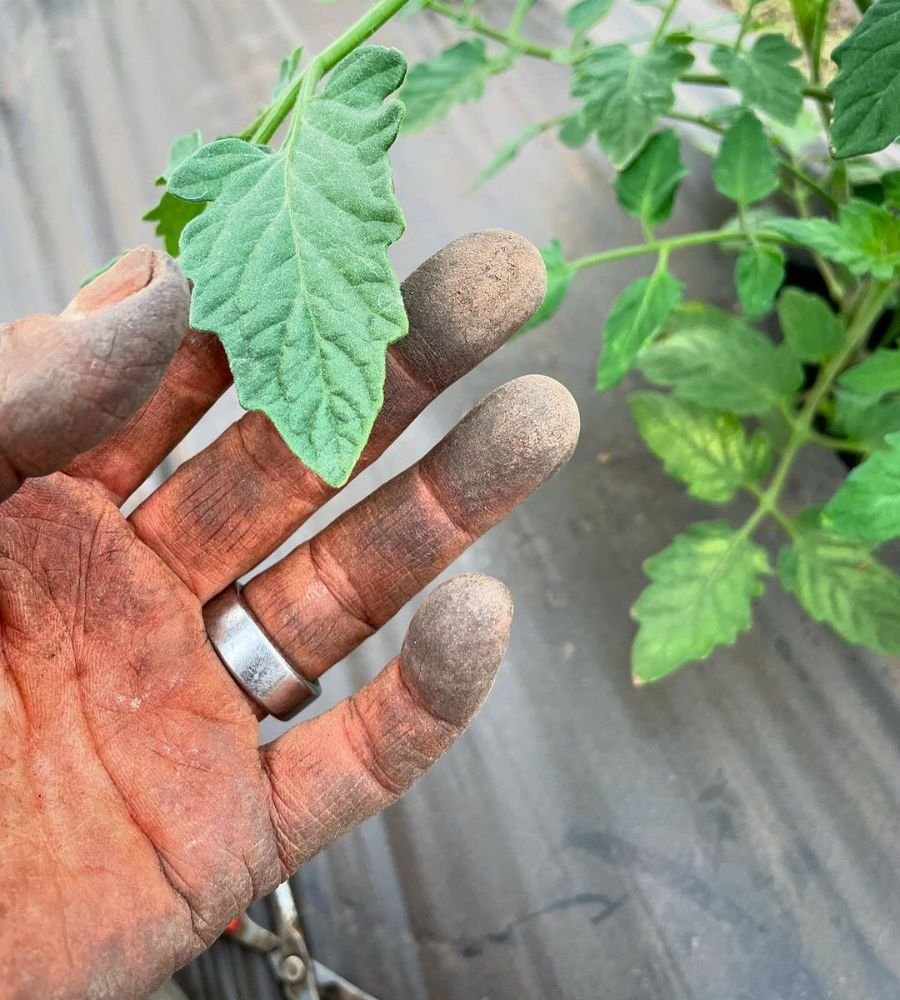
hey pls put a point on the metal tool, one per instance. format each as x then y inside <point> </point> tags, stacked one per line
<point>301,977</point>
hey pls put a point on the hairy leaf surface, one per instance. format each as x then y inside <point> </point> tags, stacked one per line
<point>764,75</point>
<point>625,93</point>
<point>746,167</point>
<point>758,274</point>
<point>867,505</point>
<point>171,214</point>
<point>866,90</point>
<point>290,262</point>
<point>456,76</point>
<point>838,581</point>
<point>709,452</point>
<point>646,187</point>
<point>636,316</point>
<point>700,597</point>
<point>559,276</point>
<point>811,329</point>
<point>866,237</point>
<point>715,360</point>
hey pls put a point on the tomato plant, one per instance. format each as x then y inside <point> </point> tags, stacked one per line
<point>287,249</point>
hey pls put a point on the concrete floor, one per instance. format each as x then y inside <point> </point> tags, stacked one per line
<point>727,835</point>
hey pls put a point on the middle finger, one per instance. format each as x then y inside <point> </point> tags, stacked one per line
<point>235,502</point>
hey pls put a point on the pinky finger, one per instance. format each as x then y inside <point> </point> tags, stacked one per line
<point>330,774</point>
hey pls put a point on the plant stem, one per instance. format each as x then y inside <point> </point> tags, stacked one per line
<point>519,15</point>
<point>838,444</point>
<point>807,181</point>
<point>664,23</point>
<point>870,306</point>
<point>481,27</point>
<point>666,245</point>
<point>714,80</point>
<point>358,33</point>
<point>746,21</point>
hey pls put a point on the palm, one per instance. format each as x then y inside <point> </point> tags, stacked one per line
<point>140,814</point>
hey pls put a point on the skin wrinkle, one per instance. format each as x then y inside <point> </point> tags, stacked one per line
<point>148,777</point>
<point>110,347</point>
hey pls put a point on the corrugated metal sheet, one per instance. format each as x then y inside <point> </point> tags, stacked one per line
<point>728,835</point>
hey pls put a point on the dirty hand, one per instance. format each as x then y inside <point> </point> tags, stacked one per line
<point>138,814</point>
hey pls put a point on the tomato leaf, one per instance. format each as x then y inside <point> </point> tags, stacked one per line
<point>709,452</point>
<point>811,329</point>
<point>746,167</point>
<point>456,76</point>
<point>866,90</point>
<point>508,152</point>
<point>764,75</point>
<point>171,214</point>
<point>636,316</point>
<point>758,274</point>
<point>290,262</point>
<point>719,362</point>
<point>838,581</point>
<point>646,187</point>
<point>625,93</point>
<point>586,13</point>
<point>865,238</point>
<point>559,276</point>
<point>700,597</point>
<point>867,505</point>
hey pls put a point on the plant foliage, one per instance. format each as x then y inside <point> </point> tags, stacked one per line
<point>739,403</point>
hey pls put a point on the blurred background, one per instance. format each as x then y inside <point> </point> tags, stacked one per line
<point>729,834</point>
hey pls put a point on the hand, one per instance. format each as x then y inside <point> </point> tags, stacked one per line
<point>139,815</point>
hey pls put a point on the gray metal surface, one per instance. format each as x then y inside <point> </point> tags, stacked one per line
<point>730,834</point>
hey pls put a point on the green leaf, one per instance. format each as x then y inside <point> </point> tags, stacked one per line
<point>764,76</point>
<point>456,76</point>
<point>636,316</point>
<point>508,152</point>
<point>287,73</point>
<point>700,597</point>
<point>625,93</point>
<point>758,275</point>
<point>717,361</point>
<point>839,582</point>
<point>867,399</point>
<point>290,264</point>
<point>746,167</point>
<point>646,188</point>
<point>559,275</point>
<point>867,505</point>
<point>866,90</point>
<point>811,329</point>
<point>877,375</point>
<point>182,147</point>
<point>709,452</point>
<point>586,13</point>
<point>865,239</point>
<point>810,17</point>
<point>171,214</point>
<point>574,131</point>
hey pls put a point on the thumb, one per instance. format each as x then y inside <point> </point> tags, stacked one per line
<point>69,381</point>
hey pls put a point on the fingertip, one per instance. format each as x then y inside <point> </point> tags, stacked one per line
<point>455,643</point>
<point>467,300</point>
<point>512,442</point>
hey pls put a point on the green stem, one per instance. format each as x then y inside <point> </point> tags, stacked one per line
<point>746,22</point>
<point>664,23</point>
<point>714,80</point>
<point>518,17</point>
<point>838,444</point>
<point>871,304</point>
<point>480,27</point>
<point>662,246</point>
<point>267,124</point>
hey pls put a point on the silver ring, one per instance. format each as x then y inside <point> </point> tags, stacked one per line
<point>252,659</point>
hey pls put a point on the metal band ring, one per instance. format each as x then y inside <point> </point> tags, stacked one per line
<point>252,659</point>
